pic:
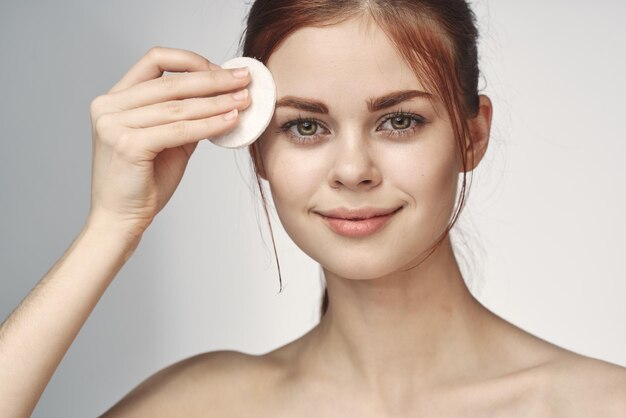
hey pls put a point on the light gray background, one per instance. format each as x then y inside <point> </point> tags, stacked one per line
<point>544,224</point>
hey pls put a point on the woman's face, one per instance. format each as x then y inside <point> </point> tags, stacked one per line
<point>355,156</point>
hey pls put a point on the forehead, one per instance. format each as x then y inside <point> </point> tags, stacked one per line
<point>340,63</point>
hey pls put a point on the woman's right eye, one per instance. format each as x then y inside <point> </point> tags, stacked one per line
<point>302,131</point>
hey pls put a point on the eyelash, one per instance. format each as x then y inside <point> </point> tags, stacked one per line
<point>286,128</point>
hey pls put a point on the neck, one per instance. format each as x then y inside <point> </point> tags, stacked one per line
<point>415,328</point>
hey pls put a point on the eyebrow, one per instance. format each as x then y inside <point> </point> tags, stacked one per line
<point>373,104</point>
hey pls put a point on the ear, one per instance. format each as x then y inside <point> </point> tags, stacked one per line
<point>479,129</point>
<point>255,151</point>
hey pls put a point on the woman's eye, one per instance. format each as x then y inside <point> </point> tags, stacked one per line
<point>403,124</point>
<point>302,130</point>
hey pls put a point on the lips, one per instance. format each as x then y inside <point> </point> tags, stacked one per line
<point>358,223</point>
<point>357,213</point>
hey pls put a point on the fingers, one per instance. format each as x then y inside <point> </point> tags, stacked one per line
<point>159,59</point>
<point>188,109</point>
<point>157,138</point>
<point>146,112</point>
<point>193,84</point>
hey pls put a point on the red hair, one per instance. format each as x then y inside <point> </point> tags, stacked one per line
<point>436,38</point>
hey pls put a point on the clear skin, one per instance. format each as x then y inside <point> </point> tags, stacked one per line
<point>393,331</point>
<point>384,328</point>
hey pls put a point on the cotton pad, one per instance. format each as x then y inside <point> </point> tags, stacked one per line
<point>255,118</point>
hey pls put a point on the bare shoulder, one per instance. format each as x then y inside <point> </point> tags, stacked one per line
<point>206,384</point>
<point>584,386</point>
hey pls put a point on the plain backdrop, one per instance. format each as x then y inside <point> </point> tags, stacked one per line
<point>543,232</point>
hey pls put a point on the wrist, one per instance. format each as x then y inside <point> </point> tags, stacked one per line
<point>108,226</point>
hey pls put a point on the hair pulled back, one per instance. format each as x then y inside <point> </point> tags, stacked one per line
<point>436,38</point>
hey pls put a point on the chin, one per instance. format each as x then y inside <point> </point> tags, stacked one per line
<point>363,267</point>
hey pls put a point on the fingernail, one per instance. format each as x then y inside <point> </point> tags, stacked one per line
<point>241,95</point>
<point>231,115</point>
<point>240,72</point>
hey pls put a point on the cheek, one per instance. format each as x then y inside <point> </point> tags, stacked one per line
<point>293,178</point>
<point>428,175</point>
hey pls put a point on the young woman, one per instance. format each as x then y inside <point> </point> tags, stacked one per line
<point>377,116</point>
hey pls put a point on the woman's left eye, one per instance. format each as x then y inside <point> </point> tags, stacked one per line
<point>401,124</point>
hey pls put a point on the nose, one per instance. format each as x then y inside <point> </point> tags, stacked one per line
<point>353,166</point>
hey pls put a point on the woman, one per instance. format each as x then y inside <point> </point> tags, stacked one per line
<point>378,113</point>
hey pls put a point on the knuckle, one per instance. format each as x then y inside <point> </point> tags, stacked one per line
<point>180,130</point>
<point>168,82</point>
<point>212,76</point>
<point>220,81</point>
<point>210,124</point>
<point>175,107</point>
<point>97,104</point>
<point>155,52</point>
<point>103,124</point>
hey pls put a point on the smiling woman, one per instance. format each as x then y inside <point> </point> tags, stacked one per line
<point>378,114</point>
<point>409,49</point>
<point>378,118</point>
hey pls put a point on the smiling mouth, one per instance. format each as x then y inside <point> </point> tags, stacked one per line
<point>358,227</point>
<point>371,217</point>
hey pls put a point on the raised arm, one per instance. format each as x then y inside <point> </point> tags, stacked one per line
<point>145,129</point>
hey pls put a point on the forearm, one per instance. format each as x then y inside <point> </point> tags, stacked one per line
<point>36,336</point>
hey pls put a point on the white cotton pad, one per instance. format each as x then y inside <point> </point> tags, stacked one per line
<point>254,119</point>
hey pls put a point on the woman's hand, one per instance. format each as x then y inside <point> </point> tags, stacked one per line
<point>147,126</point>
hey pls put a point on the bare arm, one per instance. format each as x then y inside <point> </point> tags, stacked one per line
<point>144,116</point>
<point>36,336</point>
